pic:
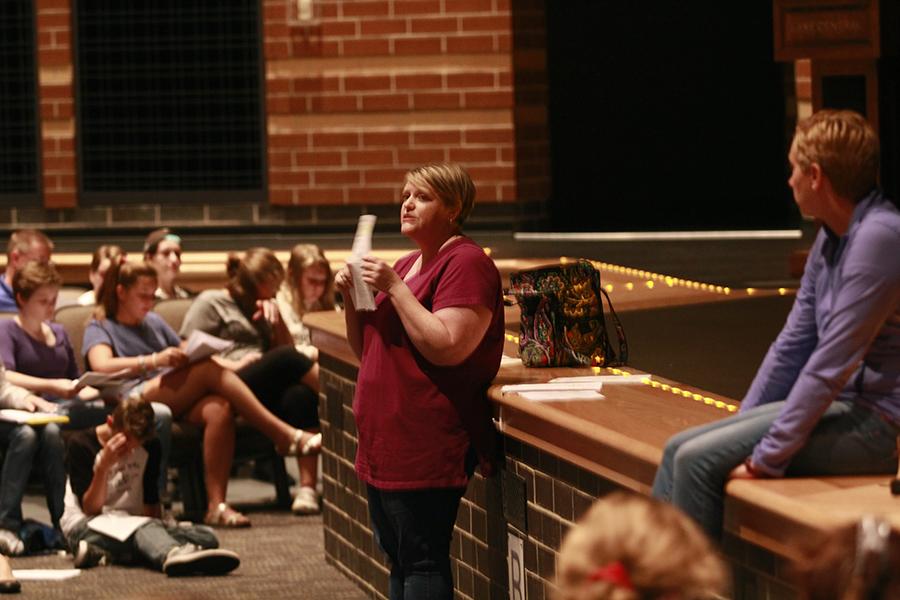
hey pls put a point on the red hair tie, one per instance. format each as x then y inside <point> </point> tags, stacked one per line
<point>614,573</point>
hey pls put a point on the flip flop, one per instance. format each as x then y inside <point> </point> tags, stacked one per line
<point>225,516</point>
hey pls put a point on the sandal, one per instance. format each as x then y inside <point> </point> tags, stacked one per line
<point>313,444</point>
<point>225,516</point>
<point>8,583</point>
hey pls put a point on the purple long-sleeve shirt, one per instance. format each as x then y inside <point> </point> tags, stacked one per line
<point>841,340</point>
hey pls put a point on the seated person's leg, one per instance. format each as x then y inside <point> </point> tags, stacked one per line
<point>162,420</point>
<point>51,457</point>
<point>22,444</point>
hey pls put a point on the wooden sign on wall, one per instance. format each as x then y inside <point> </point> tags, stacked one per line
<point>827,29</point>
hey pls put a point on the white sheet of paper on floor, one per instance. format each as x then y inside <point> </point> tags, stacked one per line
<point>362,246</point>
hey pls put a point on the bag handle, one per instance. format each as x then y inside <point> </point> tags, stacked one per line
<point>620,331</point>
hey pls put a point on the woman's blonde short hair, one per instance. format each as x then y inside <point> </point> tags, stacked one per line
<point>846,148</point>
<point>663,552</point>
<point>450,182</point>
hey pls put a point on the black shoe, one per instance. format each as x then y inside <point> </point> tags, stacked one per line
<point>88,556</point>
<point>191,560</point>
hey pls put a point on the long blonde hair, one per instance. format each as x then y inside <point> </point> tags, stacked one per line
<point>659,551</point>
<point>303,257</point>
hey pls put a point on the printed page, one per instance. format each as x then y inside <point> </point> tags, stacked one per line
<point>201,345</point>
<point>102,380</point>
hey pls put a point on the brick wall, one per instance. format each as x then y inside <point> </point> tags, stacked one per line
<point>55,91</point>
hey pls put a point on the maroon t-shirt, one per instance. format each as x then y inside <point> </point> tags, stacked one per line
<point>415,420</point>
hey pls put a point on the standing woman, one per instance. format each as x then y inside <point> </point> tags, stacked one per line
<point>427,355</point>
<point>308,287</point>
<point>162,250</point>
<point>263,354</point>
<point>125,334</point>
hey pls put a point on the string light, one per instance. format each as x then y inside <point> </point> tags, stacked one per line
<point>665,387</point>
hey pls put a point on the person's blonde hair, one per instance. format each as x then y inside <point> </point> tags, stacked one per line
<point>133,415</point>
<point>303,257</point>
<point>662,551</point>
<point>121,273</point>
<point>247,272</point>
<point>450,182</point>
<point>846,148</point>
<point>103,252</point>
<point>24,240</point>
<point>32,276</point>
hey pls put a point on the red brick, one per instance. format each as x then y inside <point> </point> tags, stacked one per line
<point>281,197</point>
<point>61,146</point>
<point>318,159</point>
<point>280,105</point>
<point>436,101</point>
<point>50,92</point>
<point>54,57</point>
<point>288,140</point>
<point>335,104</point>
<point>277,86</point>
<point>339,28</point>
<point>504,42</point>
<point>508,192</point>
<point>417,46</point>
<point>382,26</point>
<point>275,30</point>
<point>360,8</point>
<point>319,196</point>
<point>60,199</point>
<point>45,39</point>
<point>489,136</point>
<point>473,155</point>
<point>370,157</point>
<point>419,81</point>
<point>436,137</point>
<point>47,111</point>
<point>385,176</point>
<point>417,7</point>
<point>803,68</point>
<point>279,159</point>
<point>335,140</point>
<point>56,20</point>
<point>53,5</point>
<point>354,83</point>
<point>288,178</point>
<point>275,11</point>
<point>420,156</point>
<point>507,154</point>
<point>371,194</point>
<point>804,90</point>
<point>340,177</point>
<point>470,80</point>
<point>506,79</point>
<point>385,138</point>
<point>504,6</point>
<point>64,109</point>
<point>488,99</point>
<point>495,173</point>
<point>433,25</point>
<point>468,44</point>
<point>487,193</point>
<point>306,84</point>
<point>327,10</point>
<point>487,23</point>
<point>366,47</point>
<point>276,50</point>
<point>386,102</point>
<point>466,6</point>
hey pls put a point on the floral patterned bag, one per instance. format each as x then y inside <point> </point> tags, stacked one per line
<point>563,324</point>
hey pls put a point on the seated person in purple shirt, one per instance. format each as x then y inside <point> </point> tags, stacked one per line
<point>826,399</point>
<point>25,245</point>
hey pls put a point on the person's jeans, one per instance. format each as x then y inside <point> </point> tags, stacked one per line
<point>414,528</point>
<point>151,543</point>
<point>849,439</point>
<point>26,446</point>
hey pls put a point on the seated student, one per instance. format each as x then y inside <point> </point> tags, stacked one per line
<point>112,470</point>
<point>125,334</point>
<point>826,399</point>
<point>308,287</point>
<point>632,547</point>
<point>263,355</point>
<point>162,250</point>
<point>25,245</point>
<point>100,261</point>
<point>38,355</point>
<point>860,561</point>
<point>26,446</point>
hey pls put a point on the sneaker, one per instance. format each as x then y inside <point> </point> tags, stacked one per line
<point>306,502</point>
<point>10,544</point>
<point>88,556</point>
<point>192,560</point>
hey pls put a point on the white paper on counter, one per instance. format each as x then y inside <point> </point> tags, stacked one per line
<point>518,388</point>
<point>561,396</point>
<point>363,298</point>
<point>602,379</point>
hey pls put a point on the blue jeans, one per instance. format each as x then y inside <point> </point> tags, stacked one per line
<point>151,543</point>
<point>414,528</point>
<point>27,446</point>
<point>849,439</point>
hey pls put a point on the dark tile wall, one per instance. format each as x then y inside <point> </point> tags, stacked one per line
<point>536,497</point>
